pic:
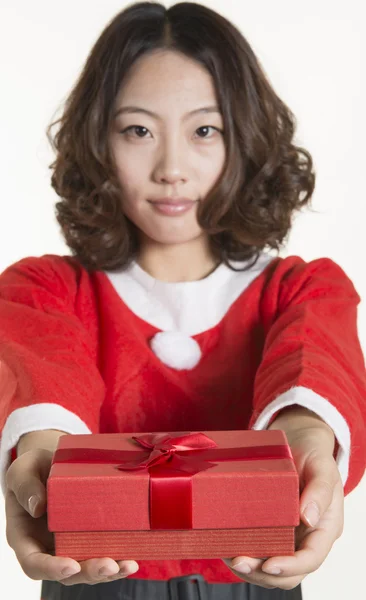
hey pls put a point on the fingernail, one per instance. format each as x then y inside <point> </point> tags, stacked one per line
<point>271,570</point>
<point>127,571</point>
<point>67,571</point>
<point>129,568</point>
<point>312,514</point>
<point>32,504</point>
<point>242,567</point>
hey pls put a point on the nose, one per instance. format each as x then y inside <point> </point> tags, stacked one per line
<point>171,164</point>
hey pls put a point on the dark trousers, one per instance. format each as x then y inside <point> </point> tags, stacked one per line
<point>192,587</point>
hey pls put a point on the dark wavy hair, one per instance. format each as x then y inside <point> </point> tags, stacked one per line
<point>265,177</point>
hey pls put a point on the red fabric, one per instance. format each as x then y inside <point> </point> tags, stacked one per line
<point>67,337</point>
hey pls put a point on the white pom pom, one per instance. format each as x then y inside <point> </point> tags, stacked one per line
<point>176,349</point>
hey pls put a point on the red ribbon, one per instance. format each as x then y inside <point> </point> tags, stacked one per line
<point>171,463</point>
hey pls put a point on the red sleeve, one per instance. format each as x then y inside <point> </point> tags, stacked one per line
<point>312,354</point>
<point>47,355</point>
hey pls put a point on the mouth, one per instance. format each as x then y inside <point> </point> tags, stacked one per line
<point>172,207</point>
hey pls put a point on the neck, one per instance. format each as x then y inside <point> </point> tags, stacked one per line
<point>177,262</point>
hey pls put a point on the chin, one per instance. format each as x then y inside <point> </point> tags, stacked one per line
<point>170,240</point>
<point>170,237</point>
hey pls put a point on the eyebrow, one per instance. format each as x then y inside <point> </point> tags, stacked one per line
<point>137,109</point>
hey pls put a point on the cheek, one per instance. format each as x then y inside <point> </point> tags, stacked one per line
<point>130,204</point>
<point>129,176</point>
<point>214,168</point>
<point>128,185</point>
<point>208,172</point>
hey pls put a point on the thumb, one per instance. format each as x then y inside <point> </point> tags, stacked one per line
<point>26,478</point>
<point>320,475</point>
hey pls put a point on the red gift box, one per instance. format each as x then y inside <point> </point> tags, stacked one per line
<point>173,495</point>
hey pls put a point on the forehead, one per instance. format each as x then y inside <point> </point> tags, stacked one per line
<point>167,80</point>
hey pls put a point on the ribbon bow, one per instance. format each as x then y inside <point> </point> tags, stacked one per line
<point>174,450</point>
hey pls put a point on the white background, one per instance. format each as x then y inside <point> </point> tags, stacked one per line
<point>312,52</point>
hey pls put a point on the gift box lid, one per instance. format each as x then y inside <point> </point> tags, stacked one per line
<point>262,491</point>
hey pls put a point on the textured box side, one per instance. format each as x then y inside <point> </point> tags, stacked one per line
<point>164,545</point>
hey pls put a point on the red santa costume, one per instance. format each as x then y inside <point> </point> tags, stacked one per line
<point>122,352</point>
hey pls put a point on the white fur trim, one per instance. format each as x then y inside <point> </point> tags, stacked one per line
<point>36,417</point>
<point>190,306</point>
<point>176,349</point>
<point>322,407</point>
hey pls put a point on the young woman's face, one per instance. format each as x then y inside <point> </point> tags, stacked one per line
<point>172,154</point>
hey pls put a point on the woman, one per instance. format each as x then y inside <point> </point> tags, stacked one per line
<point>168,227</point>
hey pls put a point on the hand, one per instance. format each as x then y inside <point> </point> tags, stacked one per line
<point>28,535</point>
<point>312,444</point>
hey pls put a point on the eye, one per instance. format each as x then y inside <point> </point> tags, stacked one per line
<point>209,127</point>
<point>140,127</point>
<point>128,129</point>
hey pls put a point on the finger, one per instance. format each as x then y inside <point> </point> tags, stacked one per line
<point>320,475</point>
<point>93,570</point>
<point>26,478</point>
<point>257,577</point>
<point>42,566</point>
<point>247,563</point>
<point>29,539</point>
<point>24,534</point>
<point>315,546</point>
<point>127,567</point>
<point>100,570</point>
<point>270,582</point>
<point>313,550</point>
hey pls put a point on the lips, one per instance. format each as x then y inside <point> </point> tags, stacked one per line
<point>171,200</point>
<point>172,206</point>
